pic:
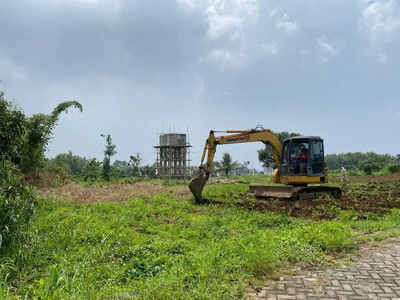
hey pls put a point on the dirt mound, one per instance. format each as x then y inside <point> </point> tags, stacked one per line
<point>368,200</point>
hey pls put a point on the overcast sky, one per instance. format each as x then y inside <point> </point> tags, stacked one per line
<point>138,67</point>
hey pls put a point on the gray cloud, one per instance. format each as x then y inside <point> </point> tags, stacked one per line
<point>317,67</point>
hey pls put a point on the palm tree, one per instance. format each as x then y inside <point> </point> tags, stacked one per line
<point>226,164</point>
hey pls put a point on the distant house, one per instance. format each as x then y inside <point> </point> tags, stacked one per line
<point>240,170</point>
<point>268,171</point>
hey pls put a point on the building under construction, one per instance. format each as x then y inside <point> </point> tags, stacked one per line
<point>173,156</point>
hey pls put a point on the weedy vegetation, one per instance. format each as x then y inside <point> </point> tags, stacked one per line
<point>158,244</point>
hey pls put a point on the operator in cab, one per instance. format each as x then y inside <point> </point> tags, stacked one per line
<point>302,158</point>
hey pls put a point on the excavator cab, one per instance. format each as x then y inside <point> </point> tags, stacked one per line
<point>303,156</point>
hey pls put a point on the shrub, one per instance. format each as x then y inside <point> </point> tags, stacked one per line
<point>16,203</point>
<point>393,168</point>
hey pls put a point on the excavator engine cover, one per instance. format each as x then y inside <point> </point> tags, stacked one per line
<point>294,193</point>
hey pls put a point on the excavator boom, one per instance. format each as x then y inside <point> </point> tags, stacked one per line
<point>266,136</point>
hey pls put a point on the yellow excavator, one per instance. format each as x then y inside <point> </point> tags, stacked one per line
<point>300,161</point>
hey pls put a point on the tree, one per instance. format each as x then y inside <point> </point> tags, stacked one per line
<point>91,169</point>
<point>120,164</point>
<point>369,166</point>
<point>246,163</point>
<point>108,153</point>
<point>226,164</point>
<point>358,160</point>
<point>24,140</point>
<point>76,163</point>
<point>38,133</point>
<point>135,161</point>
<point>148,172</point>
<point>12,131</point>
<point>265,155</point>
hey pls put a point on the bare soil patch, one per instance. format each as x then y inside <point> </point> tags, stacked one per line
<point>373,198</point>
<point>369,196</point>
<point>369,178</point>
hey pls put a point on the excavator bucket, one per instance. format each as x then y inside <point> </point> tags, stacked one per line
<point>196,186</point>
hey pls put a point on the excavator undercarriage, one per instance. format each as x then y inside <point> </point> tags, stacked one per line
<point>294,192</point>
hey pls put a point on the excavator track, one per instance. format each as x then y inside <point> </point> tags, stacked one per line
<point>294,193</point>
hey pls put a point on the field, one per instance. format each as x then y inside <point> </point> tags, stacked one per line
<point>149,240</point>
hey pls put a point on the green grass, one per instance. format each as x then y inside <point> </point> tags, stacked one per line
<point>165,248</point>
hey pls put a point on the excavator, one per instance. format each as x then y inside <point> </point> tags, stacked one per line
<point>300,162</point>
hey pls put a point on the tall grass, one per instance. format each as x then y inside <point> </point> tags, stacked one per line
<point>16,204</point>
<point>165,247</point>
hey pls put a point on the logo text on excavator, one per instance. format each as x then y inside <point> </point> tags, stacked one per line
<point>235,139</point>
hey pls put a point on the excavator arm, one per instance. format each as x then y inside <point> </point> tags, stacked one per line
<point>266,136</point>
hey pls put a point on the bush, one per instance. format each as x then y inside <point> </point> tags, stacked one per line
<point>16,204</point>
<point>370,167</point>
<point>393,168</point>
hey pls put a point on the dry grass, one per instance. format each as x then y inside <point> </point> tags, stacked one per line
<point>110,193</point>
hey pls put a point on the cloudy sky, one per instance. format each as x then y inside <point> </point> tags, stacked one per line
<point>316,67</point>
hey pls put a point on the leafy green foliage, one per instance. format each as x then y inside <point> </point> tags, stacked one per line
<point>120,164</point>
<point>226,164</point>
<point>75,163</point>
<point>265,155</point>
<point>23,142</point>
<point>370,165</point>
<point>135,160</point>
<point>161,248</point>
<point>108,153</point>
<point>91,169</point>
<point>134,165</point>
<point>38,133</point>
<point>393,168</point>
<point>12,130</point>
<point>16,204</point>
<point>148,172</point>
<point>368,162</point>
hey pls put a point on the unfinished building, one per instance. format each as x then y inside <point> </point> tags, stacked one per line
<point>173,156</point>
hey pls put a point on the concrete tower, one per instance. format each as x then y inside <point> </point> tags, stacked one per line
<point>173,156</point>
